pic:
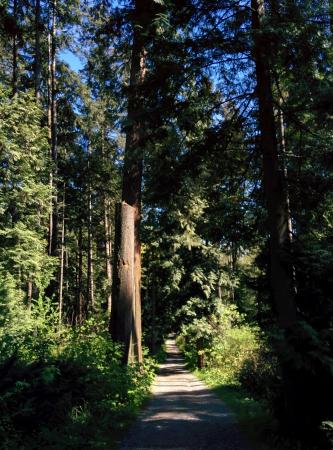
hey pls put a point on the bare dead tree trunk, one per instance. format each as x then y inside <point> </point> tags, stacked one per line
<point>122,317</point>
<point>277,207</point>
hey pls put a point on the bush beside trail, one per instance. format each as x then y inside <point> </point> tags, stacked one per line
<point>71,394</point>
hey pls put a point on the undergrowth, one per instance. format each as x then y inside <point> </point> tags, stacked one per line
<point>65,389</point>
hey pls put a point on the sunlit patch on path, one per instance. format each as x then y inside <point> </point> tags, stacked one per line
<point>183,414</point>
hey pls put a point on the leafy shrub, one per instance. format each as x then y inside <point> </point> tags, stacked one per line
<point>90,345</point>
<point>260,373</point>
<point>223,340</point>
<point>30,334</point>
<point>64,388</point>
<point>233,352</point>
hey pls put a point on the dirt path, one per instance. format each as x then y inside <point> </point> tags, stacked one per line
<point>183,414</point>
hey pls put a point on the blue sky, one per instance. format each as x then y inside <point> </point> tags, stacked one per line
<point>71,59</point>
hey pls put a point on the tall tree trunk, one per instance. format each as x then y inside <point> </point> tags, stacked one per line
<point>90,268</point>
<point>122,317</point>
<point>14,50</point>
<point>108,253</point>
<point>67,267</point>
<point>277,208</point>
<point>37,50</point>
<point>153,316</point>
<point>281,274</point>
<point>81,311</point>
<point>49,119</point>
<point>62,260</point>
<point>133,164</point>
<point>283,151</point>
<point>52,116</point>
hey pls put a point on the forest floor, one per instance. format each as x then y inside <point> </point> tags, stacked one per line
<point>183,414</point>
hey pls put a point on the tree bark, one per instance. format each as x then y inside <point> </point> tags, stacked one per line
<point>133,164</point>
<point>277,208</point>
<point>90,267</point>
<point>66,267</point>
<point>108,254</point>
<point>123,296</point>
<point>49,114</point>
<point>81,312</point>
<point>200,354</point>
<point>283,150</point>
<point>153,317</point>
<point>52,117</point>
<point>62,261</point>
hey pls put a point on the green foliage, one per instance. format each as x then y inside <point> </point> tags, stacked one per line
<point>223,340</point>
<point>28,333</point>
<point>25,192</point>
<point>68,389</point>
<point>204,227</point>
<point>260,374</point>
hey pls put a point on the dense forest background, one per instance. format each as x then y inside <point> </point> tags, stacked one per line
<point>212,122</point>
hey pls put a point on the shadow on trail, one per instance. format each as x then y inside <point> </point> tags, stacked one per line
<point>183,414</point>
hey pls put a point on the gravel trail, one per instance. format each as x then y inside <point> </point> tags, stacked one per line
<point>183,414</point>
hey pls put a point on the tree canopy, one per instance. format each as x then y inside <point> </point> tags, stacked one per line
<point>179,181</point>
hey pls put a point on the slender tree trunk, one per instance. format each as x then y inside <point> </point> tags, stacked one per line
<point>153,316</point>
<point>200,353</point>
<point>107,233</point>
<point>108,253</point>
<point>54,128</point>
<point>277,208</point>
<point>281,274</point>
<point>233,266</point>
<point>37,50</point>
<point>283,151</point>
<point>90,268</point>
<point>52,115</point>
<point>29,293</point>
<point>14,50</point>
<point>122,317</point>
<point>219,291</point>
<point>81,313</point>
<point>132,175</point>
<point>62,261</point>
<point>66,267</point>
<point>49,119</point>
